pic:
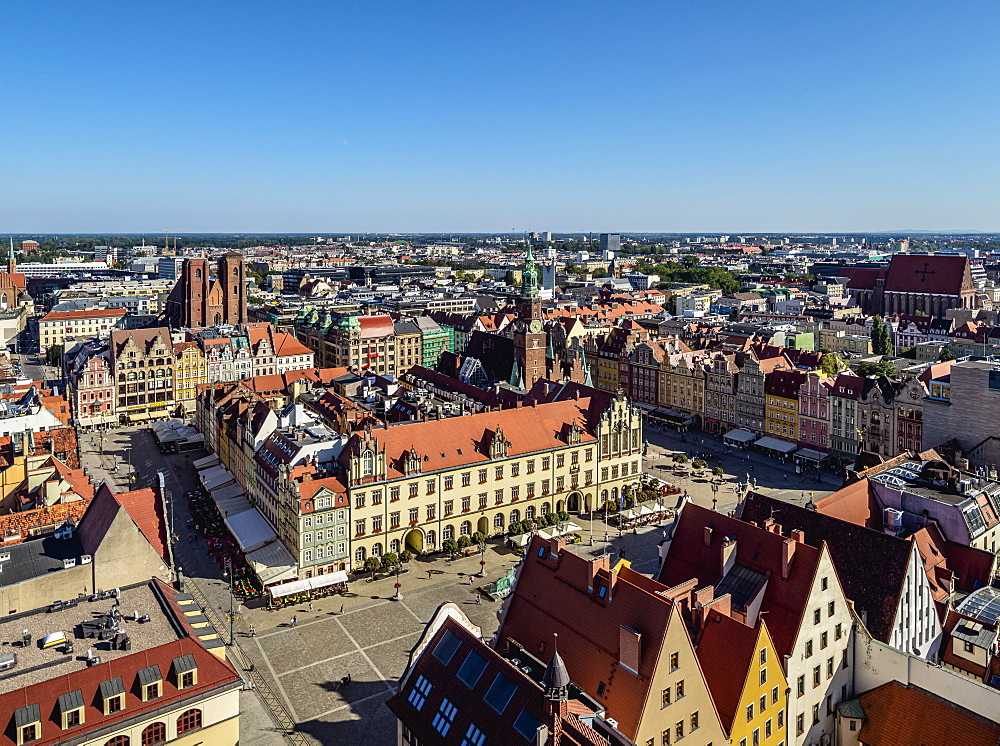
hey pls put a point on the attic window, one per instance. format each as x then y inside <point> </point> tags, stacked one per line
<point>28,723</point>
<point>185,671</point>
<point>600,689</point>
<point>151,682</point>
<point>70,708</point>
<point>112,695</point>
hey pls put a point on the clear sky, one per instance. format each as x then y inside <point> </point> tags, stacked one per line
<point>350,116</point>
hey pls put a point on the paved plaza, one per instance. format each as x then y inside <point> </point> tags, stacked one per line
<point>372,637</point>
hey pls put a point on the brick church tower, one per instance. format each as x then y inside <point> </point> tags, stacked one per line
<point>201,299</point>
<point>529,336</point>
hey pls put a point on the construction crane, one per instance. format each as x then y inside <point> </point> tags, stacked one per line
<point>166,238</point>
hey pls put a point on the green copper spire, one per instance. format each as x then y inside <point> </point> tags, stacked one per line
<point>529,276</point>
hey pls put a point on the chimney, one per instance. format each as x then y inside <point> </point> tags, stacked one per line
<point>708,536</point>
<point>799,536</point>
<point>576,394</point>
<point>787,553</point>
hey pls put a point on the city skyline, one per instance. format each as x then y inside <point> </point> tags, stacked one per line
<point>449,117</point>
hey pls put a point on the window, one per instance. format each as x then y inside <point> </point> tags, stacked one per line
<point>816,616</point>
<point>376,523</point>
<point>394,493</point>
<point>189,720</point>
<point>830,608</point>
<point>394,520</point>
<point>498,520</point>
<point>674,661</point>
<point>154,734</point>
<point>482,476</point>
<point>449,482</point>
<point>843,658</point>
<point>800,686</point>
<point>530,465</point>
<point>763,656</point>
<point>829,704</point>
<point>430,486</point>
<point>527,725</point>
<point>472,669</point>
<point>414,515</point>
<point>823,640</point>
<point>756,737</point>
<point>815,714</point>
<point>419,692</point>
<point>809,648</point>
<point>665,697</point>
<point>829,668</point>
<point>800,724</point>
<point>498,472</point>
<point>466,479</point>
<point>750,712</point>
<point>545,463</point>
<point>474,736</point>
<point>449,507</point>
<point>781,719</point>
<point>838,632</point>
<point>151,691</point>
<point>816,676</point>
<point>445,650</point>
<point>359,500</point>
<point>500,692</point>
<point>118,741</point>
<point>431,512</point>
<point>444,717</point>
<point>114,703</point>
<point>665,738</point>
<point>414,489</point>
<point>767,728</point>
<point>679,730</point>
<point>694,721</point>
<point>679,689</point>
<point>71,719</point>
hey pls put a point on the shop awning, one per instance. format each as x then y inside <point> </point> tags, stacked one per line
<point>272,563</point>
<point>206,462</point>
<point>233,505</point>
<point>740,436</point>
<point>308,584</point>
<point>217,476</point>
<point>230,490</point>
<point>250,530</point>
<point>773,444</point>
<point>810,454</point>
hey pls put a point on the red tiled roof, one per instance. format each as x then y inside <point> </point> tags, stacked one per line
<point>757,549</point>
<point>785,383</point>
<point>559,594</point>
<point>458,441</point>
<point>285,344</point>
<point>376,326</point>
<point>146,509</point>
<point>94,313</point>
<point>726,649</point>
<point>21,524</point>
<point>856,503</point>
<point>943,274</point>
<point>863,278</point>
<point>897,714</point>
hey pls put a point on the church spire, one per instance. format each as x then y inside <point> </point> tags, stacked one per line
<point>11,261</point>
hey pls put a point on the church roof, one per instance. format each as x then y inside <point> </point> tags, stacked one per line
<point>929,274</point>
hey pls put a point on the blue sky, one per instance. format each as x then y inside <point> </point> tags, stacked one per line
<point>473,116</point>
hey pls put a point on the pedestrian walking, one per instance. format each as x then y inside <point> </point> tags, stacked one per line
<point>295,621</point>
<point>341,608</point>
<point>310,606</point>
<point>253,632</point>
<point>479,600</point>
<point>471,580</point>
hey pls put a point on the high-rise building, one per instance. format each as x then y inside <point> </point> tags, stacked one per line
<point>610,242</point>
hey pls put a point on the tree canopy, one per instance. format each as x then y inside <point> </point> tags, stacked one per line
<point>715,277</point>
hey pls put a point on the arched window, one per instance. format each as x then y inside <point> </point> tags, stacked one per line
<point>448,532</point>
<point>466,528</point>
<point>154,734</point>
<point>545,509</point>
<point>359,555</point>
<point>529,513</point>
<point>377,549</point>
<point>515,516</point>
<point>431,540</point>
<point>498,520</point>
<point>367,463</point>
<point>189,720</point>
<point>121,378</point>
<point>197,274</point>
<point>395,546</point>
<point>118,741</point>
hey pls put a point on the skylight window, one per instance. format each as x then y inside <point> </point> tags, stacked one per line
<point>500,693</point>
<point>445,650</point>
<point>472,669</point>
<point>474,736</point>
<point>444,717</point>
<point>527,725</point>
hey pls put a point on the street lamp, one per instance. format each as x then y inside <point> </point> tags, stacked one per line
<point>482,558</point>
<point>228,573</point>
<point>398,596</point>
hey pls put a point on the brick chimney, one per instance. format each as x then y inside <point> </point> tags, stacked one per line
<point>787,553</point>
<point>799,536</point>
<point>708,536</point>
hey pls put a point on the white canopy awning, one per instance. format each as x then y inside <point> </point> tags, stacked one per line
<point>230,490</point>
<point>810,454</point>
<point>272,563</point>
<point>631,515</point>
<point>740,436</point>
<point>644,510</point>
<point>308,584</point>
<point>206,462</point>
<point>250,530</point>
<point>217,476</point>
<point>773,444</point>
<point>233,505</point>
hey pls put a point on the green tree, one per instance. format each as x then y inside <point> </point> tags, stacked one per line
<point>405,556</point>
<point>946,354</point>
<point>699,464</point>
<point>54,354</point>
<point>680,458</point>
<point>717,471</point>
<point>450,546</point>
<point>389,560</point>
<point>514,529</point>
<point>511,279</point>
<point>831,364</point>
<point>478,538</point>
<point>372,565</point>
<point>464,542</point>
<point>866,369</point>
<point>881,337</point>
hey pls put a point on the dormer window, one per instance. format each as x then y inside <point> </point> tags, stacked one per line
<point>28,724</point>
<point>70,708</point>
<point>185,671</point>
<point>367,463</point>
<point>112,695</point>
